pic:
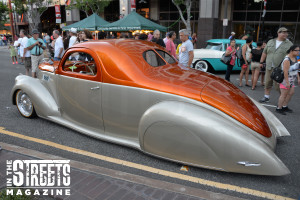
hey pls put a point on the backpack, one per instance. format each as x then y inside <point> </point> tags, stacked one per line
<point>239,56</point>
<point>239,53</point>
<point>277,74</point>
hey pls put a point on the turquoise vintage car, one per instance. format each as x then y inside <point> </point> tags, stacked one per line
<point>208,59</point>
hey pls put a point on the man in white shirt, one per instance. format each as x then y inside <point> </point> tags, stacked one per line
<point>73,34</point>
<point>186,53</point>
<point>58,46</point>
<point>19,49</point>
<point>26,53</point>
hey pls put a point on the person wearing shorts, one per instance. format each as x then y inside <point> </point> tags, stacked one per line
<point>26,53</point>
<point>255,66</point>
<point>36,46</point>
<point>290,68</point>
<point>274,53</point>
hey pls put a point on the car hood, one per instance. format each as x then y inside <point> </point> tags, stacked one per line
<point>232,101</point>
<point>207,53</point>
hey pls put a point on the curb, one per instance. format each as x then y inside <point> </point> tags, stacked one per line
<point>172,187</point>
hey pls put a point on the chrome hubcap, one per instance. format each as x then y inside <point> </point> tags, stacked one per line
<point>201,66</point>
<point>24,104</point>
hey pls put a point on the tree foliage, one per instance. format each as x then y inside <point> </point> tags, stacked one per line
<point>3,14</point>
<point>33,8</point>
<point>93,6</point>
<point>188,5</point>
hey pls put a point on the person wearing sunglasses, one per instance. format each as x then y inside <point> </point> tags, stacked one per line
<point>273,54</point>
<point>290,67</point>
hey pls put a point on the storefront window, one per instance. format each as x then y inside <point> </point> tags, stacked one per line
<point>291,5</point>
<point>239,16</point>
<point>290,16</point>
<point>240,5</point>
<point>275,4</point>
<point>273,16</point>
<point>253,16</point>
<point>254,5</point>
<point>174,16</point>
<point>297,37</point>
<point>164,5</point>
<point>164,16</point>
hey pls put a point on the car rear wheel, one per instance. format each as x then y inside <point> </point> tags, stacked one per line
<point>201,65</point>
<point>25,105</point>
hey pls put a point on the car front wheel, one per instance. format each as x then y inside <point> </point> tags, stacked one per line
<point>24,104</point>
<point>201,65</point>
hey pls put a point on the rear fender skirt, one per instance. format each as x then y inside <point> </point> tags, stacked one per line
<point>205,137</point>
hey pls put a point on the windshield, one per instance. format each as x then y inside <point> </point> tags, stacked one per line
<point>214,46</point>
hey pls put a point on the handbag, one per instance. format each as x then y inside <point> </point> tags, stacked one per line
<point>277,73</point>
<point>226,59</point>
<point>244,66</point>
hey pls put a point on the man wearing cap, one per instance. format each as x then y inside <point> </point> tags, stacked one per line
<point>232,36</point>
<point>73,38</point>
<point>274,53</point>
<point>36,46</point>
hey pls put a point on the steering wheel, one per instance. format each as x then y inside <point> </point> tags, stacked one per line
<point>89,67</point>
<point>74,65</point>
<point>85,65</point>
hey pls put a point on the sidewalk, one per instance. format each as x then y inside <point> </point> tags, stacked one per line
<point>94,182</point>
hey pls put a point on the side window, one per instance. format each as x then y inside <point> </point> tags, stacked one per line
<point>166,56</point>
<point>80,62</point>
<point>226,45</point>
<point>153,59</point>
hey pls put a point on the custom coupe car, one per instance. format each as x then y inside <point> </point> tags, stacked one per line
<point>134,93</point>
<point>209,58</point>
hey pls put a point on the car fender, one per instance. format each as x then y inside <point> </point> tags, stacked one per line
<point>275,125</point>
<point>43,101</point>
<point>199,136</point>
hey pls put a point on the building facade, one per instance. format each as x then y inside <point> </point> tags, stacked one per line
<point>207,17</point>
<point>244,17</point>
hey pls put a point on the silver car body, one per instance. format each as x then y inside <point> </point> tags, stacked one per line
<point>165,125</point>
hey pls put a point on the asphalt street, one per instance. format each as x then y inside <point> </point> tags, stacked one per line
<point>288,148</point>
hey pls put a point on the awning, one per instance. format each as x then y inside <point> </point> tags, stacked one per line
<point>132,22</point>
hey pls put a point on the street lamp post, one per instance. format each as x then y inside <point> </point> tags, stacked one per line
<point>11,21</point>
<point>263,17</point>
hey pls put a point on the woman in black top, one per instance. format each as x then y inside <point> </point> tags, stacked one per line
<point>255,65</point>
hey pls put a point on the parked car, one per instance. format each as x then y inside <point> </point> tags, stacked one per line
<point>134,93</point>
<point>208,59</point>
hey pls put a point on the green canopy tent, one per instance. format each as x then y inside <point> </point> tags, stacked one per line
<point>131,22</point>
<point>91,23</point>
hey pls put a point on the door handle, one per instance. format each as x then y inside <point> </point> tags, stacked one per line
<point>95,88</point>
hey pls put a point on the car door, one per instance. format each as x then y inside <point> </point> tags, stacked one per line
<point>79,89</point>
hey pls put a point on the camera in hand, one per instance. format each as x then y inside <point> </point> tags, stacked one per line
<point>40,43</point>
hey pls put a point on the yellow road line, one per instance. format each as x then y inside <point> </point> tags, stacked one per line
<point>149,169</point>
